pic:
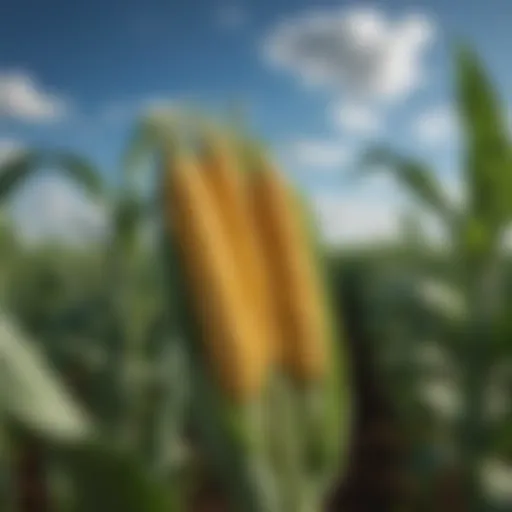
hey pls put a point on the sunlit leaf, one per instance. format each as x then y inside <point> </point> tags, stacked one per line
<point>31,392</point>
<point>167,402</point>
<point>442,298</point>
<point>486,141</point>
<point>496,475</point>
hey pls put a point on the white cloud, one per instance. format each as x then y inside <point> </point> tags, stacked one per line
<point>359,51</point>
<point>382,184</point>
<point>436,126</point>
<point>374,212</point>
<point>231,16</point>
<point>355,219</point>
<point>50,206</point>
<point>22,97</point>
<point>322,154</point>
<point>9,148</point>
<point>357,118</point>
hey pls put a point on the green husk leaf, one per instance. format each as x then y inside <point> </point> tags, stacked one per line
<point>328,408</point>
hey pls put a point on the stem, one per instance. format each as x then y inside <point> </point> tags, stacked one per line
<point>6,477</point>
<point>32,494</point>
<point>482,294</point>
<point>472,436</point>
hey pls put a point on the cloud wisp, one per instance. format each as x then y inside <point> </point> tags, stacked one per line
<point>51,207</point>
<point>436,126</point>
<point>23,98</point>
<point>318,153</point>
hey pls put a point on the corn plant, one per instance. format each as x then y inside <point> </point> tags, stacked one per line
<point>103,472</point>
<point>270,396</point>
<point>475,251</point>
<point>102,477</point>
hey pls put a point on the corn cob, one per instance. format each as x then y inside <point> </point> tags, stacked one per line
<point>241,238</point>
<point>228,327</point>
<point>303,326</point>
<point>311,350</point>
<point>229,186</point>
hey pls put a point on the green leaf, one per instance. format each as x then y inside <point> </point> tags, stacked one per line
<point>166,403</point>
<point>152,135</point>
<point>329,409</point>
<point>21,167</point>
<point>14,172</point>
<point>32,394</point>
<point>290,440</point>
<point>442,299</point>
<point>503,333</point>
<point>413,175</point>
<point>142,143</point>
<point>79,169</point>
<point>128,216</point>
<point>487,146</point>
<point>414,235</point>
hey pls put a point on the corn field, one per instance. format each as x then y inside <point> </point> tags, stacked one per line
<point>233,362</point>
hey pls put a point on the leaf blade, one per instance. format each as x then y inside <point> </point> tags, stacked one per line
<point>415,176</point>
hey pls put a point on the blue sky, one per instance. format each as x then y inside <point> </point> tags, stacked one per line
<point>75,74</point>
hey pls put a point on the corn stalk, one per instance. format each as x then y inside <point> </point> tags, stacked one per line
<point>476,237</point>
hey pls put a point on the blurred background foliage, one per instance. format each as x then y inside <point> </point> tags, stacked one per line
<point>429,328</point>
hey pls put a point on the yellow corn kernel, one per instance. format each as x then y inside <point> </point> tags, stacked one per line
<point>230,188</point>
<point>228,327</point>
<point>295,284</point>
